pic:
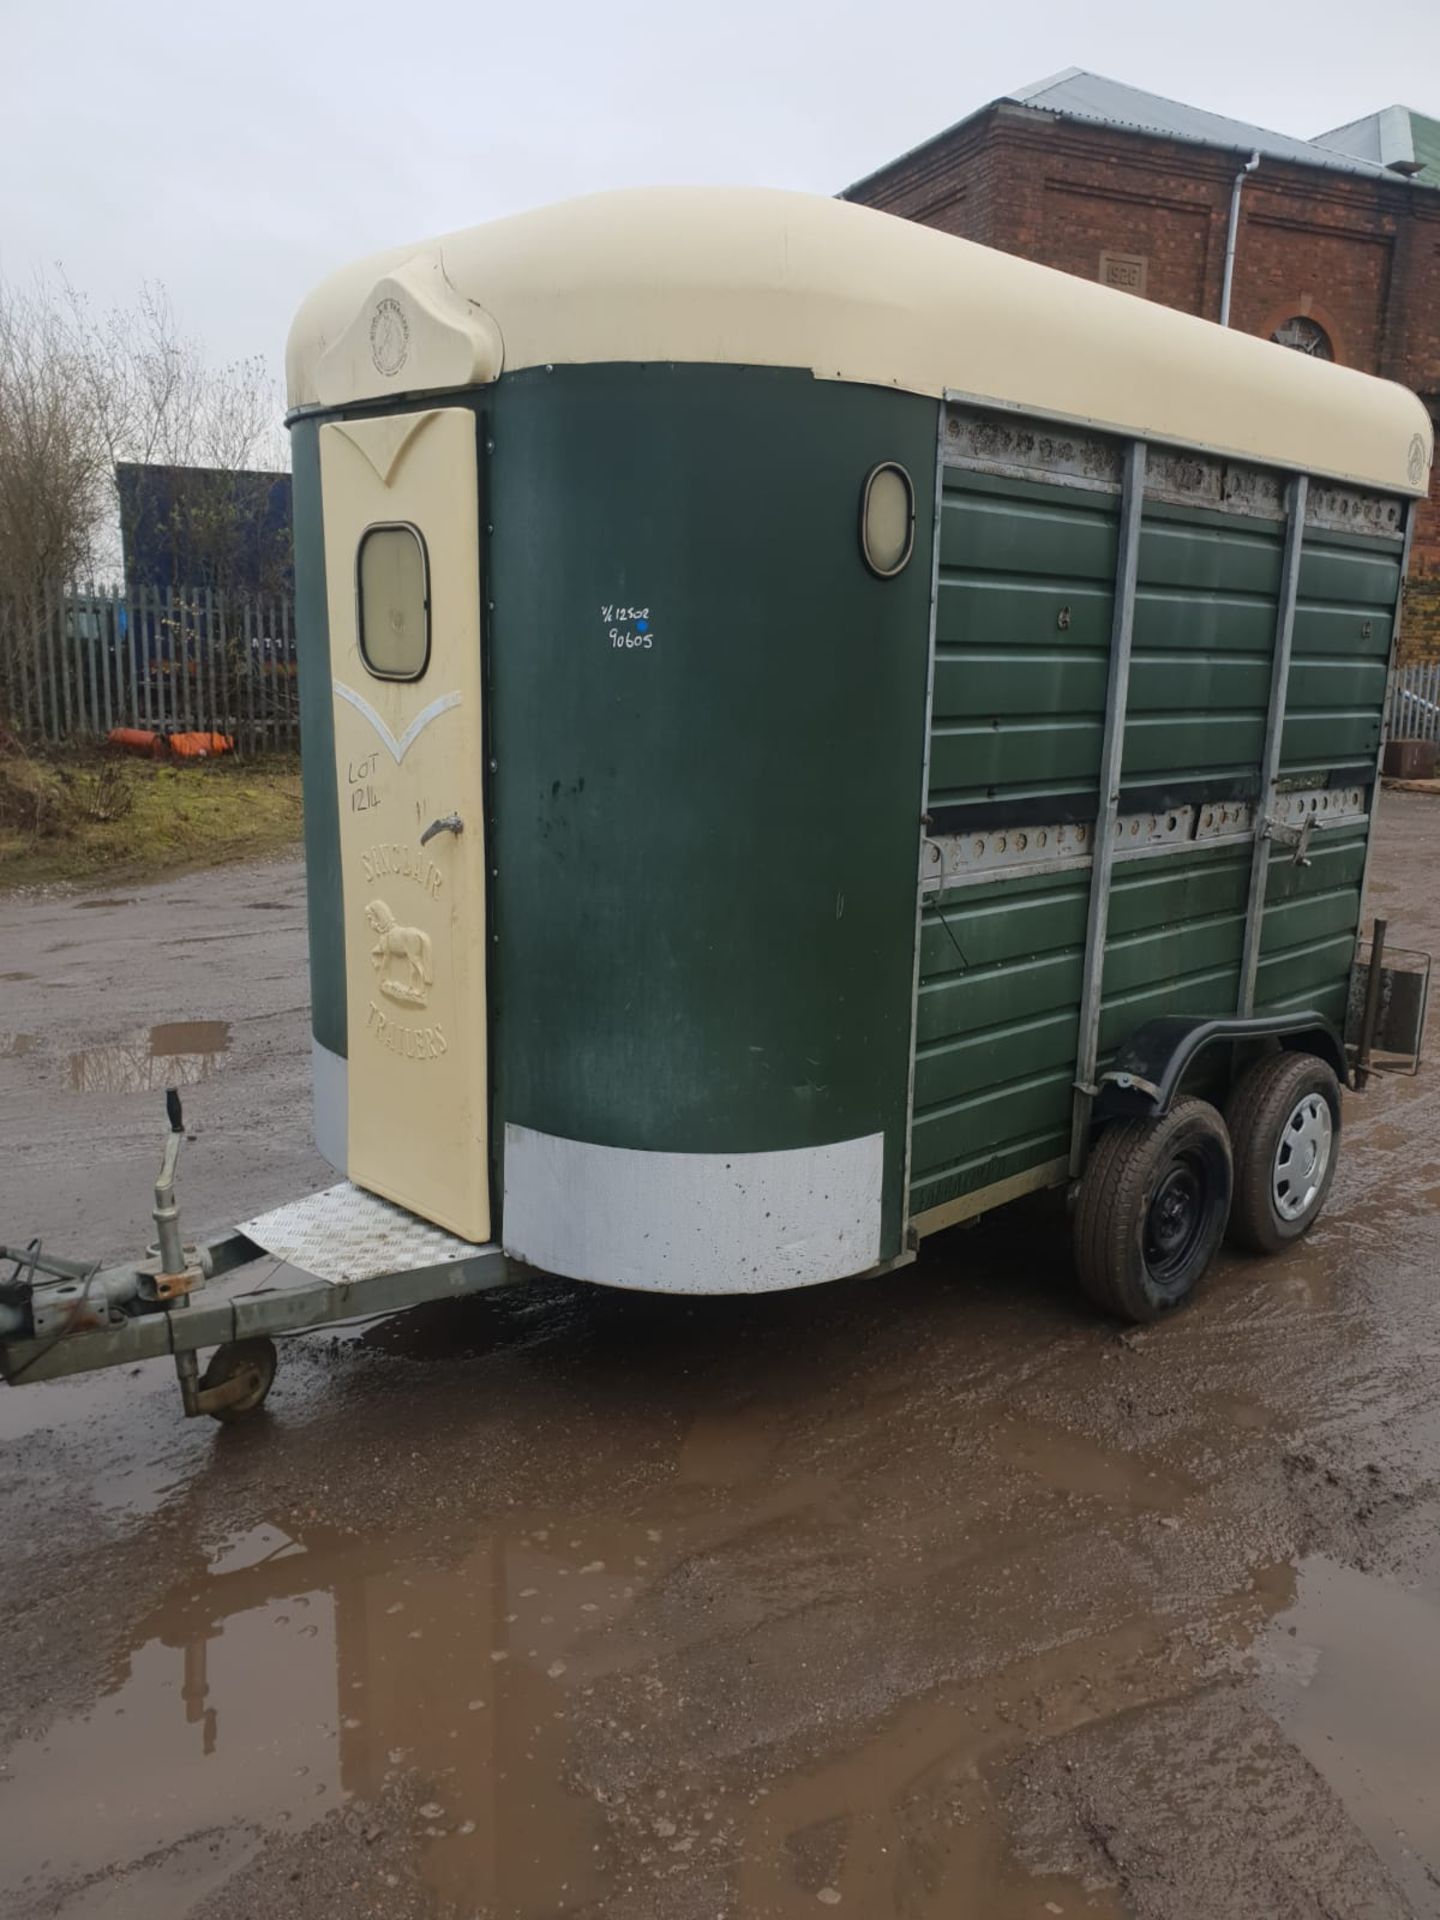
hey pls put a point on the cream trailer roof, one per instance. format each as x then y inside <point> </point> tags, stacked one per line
<point>755,277</point>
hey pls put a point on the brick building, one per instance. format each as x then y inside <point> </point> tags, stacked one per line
<point>1337,243</point>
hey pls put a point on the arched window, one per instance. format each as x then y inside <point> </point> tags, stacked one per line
<point>1305,336</point>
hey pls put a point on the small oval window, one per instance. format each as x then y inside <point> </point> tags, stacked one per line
<point>887,519</point>
<point>393,594</point>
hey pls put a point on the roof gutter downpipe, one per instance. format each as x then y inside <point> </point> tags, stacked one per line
<point>1249,167</point>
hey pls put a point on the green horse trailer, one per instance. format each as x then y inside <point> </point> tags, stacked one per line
<point>859,727</point>
<point>814,729</point>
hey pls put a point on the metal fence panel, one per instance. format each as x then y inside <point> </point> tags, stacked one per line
<point>83,661</point>
<point>1415,705</point>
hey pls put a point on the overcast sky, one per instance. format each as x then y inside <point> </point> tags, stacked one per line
<point>238,153</point>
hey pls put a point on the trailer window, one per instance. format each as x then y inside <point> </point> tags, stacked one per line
<point>887,519</point>
<point>392,583</point>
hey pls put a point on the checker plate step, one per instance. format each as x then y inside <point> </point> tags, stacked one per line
<point>344,1233</point>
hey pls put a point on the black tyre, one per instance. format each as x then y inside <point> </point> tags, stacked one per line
<point>1152,1209</point>
<point>253,1358</point>
<point>1284,1120</point>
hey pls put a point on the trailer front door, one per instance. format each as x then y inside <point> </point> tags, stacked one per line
<point>402,562</point>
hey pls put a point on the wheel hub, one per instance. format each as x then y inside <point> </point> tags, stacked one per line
<point>1302,1157</point>
<point>1175,1218</point>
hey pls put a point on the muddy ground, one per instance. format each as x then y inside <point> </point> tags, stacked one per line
<point>929,1596</point>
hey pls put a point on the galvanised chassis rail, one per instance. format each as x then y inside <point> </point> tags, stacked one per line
<point>144,1329</point>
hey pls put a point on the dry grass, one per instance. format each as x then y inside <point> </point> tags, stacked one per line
<point>75,816</point>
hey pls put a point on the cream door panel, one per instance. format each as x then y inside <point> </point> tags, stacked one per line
<point>408,752</point>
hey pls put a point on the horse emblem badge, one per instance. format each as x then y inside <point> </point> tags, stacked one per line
<point>401,957</point>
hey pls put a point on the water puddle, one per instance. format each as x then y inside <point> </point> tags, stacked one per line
<point>288,1676</point>
<point>17,976</point>
<point>16,1045</point>
<point>1351,1670</point>
<point>178,1053</point>
<point>106,903</point>
<point>1081,1468</point>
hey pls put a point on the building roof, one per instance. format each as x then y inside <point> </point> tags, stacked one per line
<point>1077,95</point>
<point>753,277</point>
<point>1400,139</point>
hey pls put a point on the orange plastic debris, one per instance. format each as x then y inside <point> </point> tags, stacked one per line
<point>184,746</point>
<point>136,740</point>
<point>199,746</point>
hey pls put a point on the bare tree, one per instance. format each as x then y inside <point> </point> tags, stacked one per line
<point>85,391</point>
<point>54,471</point>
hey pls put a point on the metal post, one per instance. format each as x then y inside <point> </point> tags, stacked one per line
<point>1373,985</point>
<point>1274,731</point>
<point>1373,803</point>
<point>1122,627</point>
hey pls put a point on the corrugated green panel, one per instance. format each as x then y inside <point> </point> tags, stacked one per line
<point>1177,924</point>
<point>1197,743</point>
<point>980,926</point>
<point>1052,683</point>
<point>1018,711</point>
<point>1344,615</point>
<point>969,1133</point>
<point>996,1031</point>
<point>954,1069</point>
<point>1177,887</point>
<point>1022,640</point>
<point>992,525</point>
<point>1312,914</point>
<point>991,1164</point>
<point>1352,573</point>
<point>1206,595</point>
<point>977,759</point>
<point>1179,548</point>
<point>963,1003</point>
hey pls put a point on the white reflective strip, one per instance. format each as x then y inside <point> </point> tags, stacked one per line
<point>693,1222</point>
<point>330,1084</point>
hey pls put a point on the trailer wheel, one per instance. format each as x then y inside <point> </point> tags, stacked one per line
<point>1284,1120</point>
<point>253,1357</point>
<point>1152,1209</point>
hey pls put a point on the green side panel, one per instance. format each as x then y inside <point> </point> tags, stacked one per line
<point>704,910</point>
<point>1206,595</point>
<point>317,740</point>
<point>1023,634</point>
<point>1344,620</point>
<point>999,1013</point>
<point>1312,918</point>
<point>1022,638</point>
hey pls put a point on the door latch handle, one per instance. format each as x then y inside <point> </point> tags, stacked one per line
<point>448,823</point>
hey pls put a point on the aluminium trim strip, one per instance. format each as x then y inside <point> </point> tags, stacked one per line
<point>924,804</point>
<point>1127,559</point>
<point>1274,730</point>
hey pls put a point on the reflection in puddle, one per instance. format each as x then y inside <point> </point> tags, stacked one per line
<point>1352,1673</point>
<point>285,1678</point>
<point>178,1053</point>
<point>288,1675</point>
